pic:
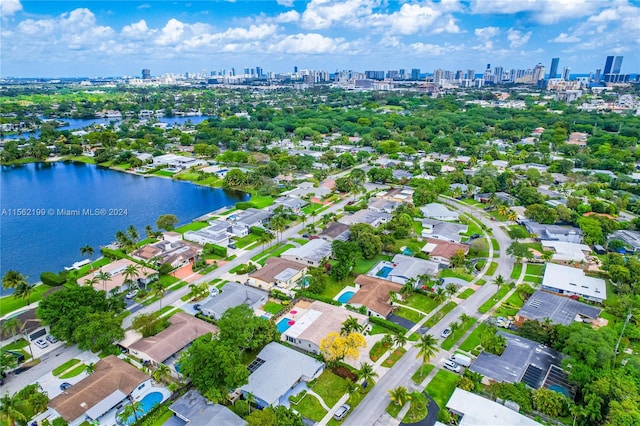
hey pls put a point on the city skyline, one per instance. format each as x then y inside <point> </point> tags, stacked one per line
<point>97,38</point>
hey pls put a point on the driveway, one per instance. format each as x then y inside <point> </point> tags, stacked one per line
<point>401,321</point>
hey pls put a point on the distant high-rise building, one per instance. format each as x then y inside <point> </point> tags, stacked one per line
<point>374,75</point>
<point>553,72</point>
<point>438,75</point>
<point>392,74</point>
<point>146,74</point>
<point>598,74</point>
<point>498,72</point>
<point>617,65</point>
<point>459,75</point>
<point>259,72</point>
<point>402,73</point>
<point>247,71</point>
<point>295,69</point>
<point>233,72</point>
<point>566,73</point>
<point>538,73</point>
<point>607,65</point>
<point>415,74</point>
<point>471,74</point>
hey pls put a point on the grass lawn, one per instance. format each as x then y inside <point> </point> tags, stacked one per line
<point>535,269</point>
<point>301,241</point>
<point>440,314</point>
<point>246,240</point>
<point>473,340</point>
<point>364,265</point>
<point>492,268</point>
<point>272,307</point>
<point>496,247</point>
<point>441,387</point>
<point>261,201</point>
<point>74,372</point>
<point>353,401</point>
<point>310,407</point>
<point>393,409</point>
<point>193,226</point>
<point>421,373</point>
<point>456,273</point>
<point>481,282</point>
<point>308,209</point>
<point>86,268</point>
<point>376,351</point>
<point>334,287</point>
<point>456,335</point>
<point>418,410</point>
<point>517,269</point>
<point>65,366</point>
<point>168,280</point>
<point>17,345</point>
<point>473,228</point>
<point>329,386</point>
<point>276,253</point>
<point>394,357</point>
<point>409,314</point>
<point>163,173</point>
<point>486,306</point>
<point>266,252</point>
<point>535,279</point>
<point>421,302</point>
<point>466,294</point>
<point>9,303</point>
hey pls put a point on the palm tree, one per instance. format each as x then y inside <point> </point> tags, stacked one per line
<point>399,340</point>
<point>12,326</point>
<point>91,281</point>
<point>451,289</point>
<point>350,325</point>
<point>278,224</point>
<point>386,341</point>
<point>399,395</point>
<point>25,291</point>
<point>427,348</point>
<point>503,210</point>
<point>130,410</point>
<point>350,387</point>
<point>13,279</point>
<point>11,410</point>
<point>104,277</point>
<point>250,398</point>
<point>464,318</point>
<point>90,368</point>
<point>265,238</point>
<point>133,234</point>
<point>454,326</point>
<point>122,239</point>
<point>158,290</point>
<point>130,273</point>
<point>161,373</point>
<point>87,251</point>
<point>406,290</point>
<point>440,295</point>
<point>149,231</point>
<point>499,281</point>
<point>512,216</point>
<point>366,373</point>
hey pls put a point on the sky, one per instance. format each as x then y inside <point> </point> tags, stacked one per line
<point>94,38</point>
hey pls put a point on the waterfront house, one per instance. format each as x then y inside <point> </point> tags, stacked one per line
<point>118,278</point>
<point>171,251</point>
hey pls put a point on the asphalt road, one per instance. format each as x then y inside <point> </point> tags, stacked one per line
<point>372,408</point>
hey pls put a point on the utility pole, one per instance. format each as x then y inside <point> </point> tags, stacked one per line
<point>615,353</point>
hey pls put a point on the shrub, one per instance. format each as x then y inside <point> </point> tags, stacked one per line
<point>320,298</point>
<point>244,205</point>
<point>52,279</point>
<point>344,372</point>
<point>275,293</point>
<point>215,249</point>
<point>388,324</point>
<point>257,230</point>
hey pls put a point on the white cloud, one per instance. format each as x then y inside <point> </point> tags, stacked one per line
<point>565,38</point>
<point>286,3</point>
<point>487,32</point>
<point>287,17</point>
<point>517,38</point>
<point>136,31</point>
<point>171,33</point>
<point>311,43</point>
<point>413,18</point>
<point>435,49</point>
<point>545,12</point>
<point>9,7</point>
<point>321,14</point>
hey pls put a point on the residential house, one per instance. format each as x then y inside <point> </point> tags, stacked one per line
<point>403,268</point>
<point>438,211</point>
<point>568,234</point>
<point>307,189</point>
<point>218,232</point>
<point>233,294</point>
<point>573,282</point>
<point>292,203</point>
<point>567,252</point>
<point>171,251</point>
<point>473,410</point>
<point>275,371</point>
<point>382,205</point>
<point>402,175</point>
<point>118,278</point>
<point>578,138</point>
<point>367,216</point>
<point>314,321</point>
<point>113,383</point>
<point>312,253</point>
<point>195,410</point>
<point>163,347</point>
<point>176,161</point>
<point>251,217</point>
<point>447,231</point>
<point>630,238</point>
<point>373,293</point>
<point>401,194</point>
<point>542,306</point>
<point>30,325</point>
<point>277,272</point>
<point>442,251</point>
<point>335,231</point>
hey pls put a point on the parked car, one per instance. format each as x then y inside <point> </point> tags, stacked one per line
<point>214,291</point>
<point>41,343</point>
<point>305,235</point>
<point>197,307</point>
<point>474,236</point>
<point>450,365</point>
<point>21,369</point>
<point>446,332</point>
<point>51,339</point>
<point>131,294</point>
<point>342,412</point>
<point>231,246</point>
<point>64,386</point>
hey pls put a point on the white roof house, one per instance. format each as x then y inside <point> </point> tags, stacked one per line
<point>438,211</point>
<point>312,253</point>
<point>475,410</point>
<point>276,370</point>
<point>567,252</point>
<point>573,281</point>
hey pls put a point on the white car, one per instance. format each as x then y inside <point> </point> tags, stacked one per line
<point>41,343</point>
<point>131,294</point>
<point>446,332</point>
<point>450,365</point>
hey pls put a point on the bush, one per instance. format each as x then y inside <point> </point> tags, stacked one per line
<point>244,205</point>
<point>215,249</point>
<point>277,294</point>
<point>354,207</point>
<point>52,279</point>
<point>320,298</point>
<point>388,324</point>
<point>257,230</point>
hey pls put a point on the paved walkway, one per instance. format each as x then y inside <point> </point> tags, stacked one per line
<point>319,398</point>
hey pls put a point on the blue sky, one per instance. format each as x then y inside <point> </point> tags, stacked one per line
<point>108,38</point>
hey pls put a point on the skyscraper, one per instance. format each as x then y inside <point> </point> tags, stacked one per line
<point>566,73</point>
<point>146,74</point>
<point>607,65</point>
<point>598,74</point>
<point>415,74</point>
<point>295,69</point>
<point>617,65</point>
<point>471,74</point>
<point>553,72</point>
<point>538,73</point>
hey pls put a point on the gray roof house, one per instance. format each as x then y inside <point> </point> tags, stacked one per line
<point>370,217</point>
<point>560,310</point>
<point>216,233</point>
<point>335,231</point>
<point>438,211</point>
<point>276,370</point>
<point>252,217</point>
<point>631,238</point>
<point>407,267</point>
<point>475,410</point>
<point>382,205</point>
<point>292,203</point>
<point>307,188</point>
<point>568,234</point>
<point>448,231</point>
<point>312,253</point>
<point>232,295</point>
<point>193,409</point>
<point>573,282</point>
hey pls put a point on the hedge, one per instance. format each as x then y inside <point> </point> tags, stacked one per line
<point>279,295</point>
<point>257,230</point>
<point>244,205</point>
<point>52,279</point>
<point>388,324</point>
<point>314,296</point>
<point>215,249</point>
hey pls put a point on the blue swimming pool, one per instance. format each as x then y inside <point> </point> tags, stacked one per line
<point>384,271</point>
<point>149,401</point>
<point>346,296</point>
<point>283,324</point>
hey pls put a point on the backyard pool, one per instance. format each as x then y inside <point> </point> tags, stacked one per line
<point>149,401</point>
<point>346,296</point>
<point>284,324</point>
<point>384,271</point>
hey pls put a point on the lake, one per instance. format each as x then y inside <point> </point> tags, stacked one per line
<point>42,241</point>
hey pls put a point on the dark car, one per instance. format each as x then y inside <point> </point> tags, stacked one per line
<point>474,236</point>
<point>232,246</point>
<point>197,307</point>
<point>65,385</point>
<point>21,369</point>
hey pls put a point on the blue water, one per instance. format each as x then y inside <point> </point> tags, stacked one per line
<point>384,271</point>
<point>149,401</point>
<point>346,296</point>
<point>34,244</point>
<point>283,325</point>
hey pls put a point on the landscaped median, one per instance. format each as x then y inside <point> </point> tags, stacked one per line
<point>440,314</point>
<point>69,369</point>
<point>486,306</point>
<point>458,332</point>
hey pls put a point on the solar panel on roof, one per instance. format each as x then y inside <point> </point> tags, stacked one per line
<point>255,364</point>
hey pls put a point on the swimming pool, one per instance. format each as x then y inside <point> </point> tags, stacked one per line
<point>346,296</point>
<point>284,324</point>
<point>149,401</point>
<point>384,271</point>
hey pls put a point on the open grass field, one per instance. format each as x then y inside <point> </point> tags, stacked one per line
<point>440,314</point>
<point>421,373</point>
<point>193,226</point>
<point>409,314</point>
<point>329,386</point>
<point>466,294</point>
<point>473,340</point>
<point>517,269</point>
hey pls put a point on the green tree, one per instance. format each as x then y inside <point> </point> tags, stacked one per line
<point>90,368</point>
<point>549,402</point>
<point>134,408</point>
<point>350,325</point>
<point>12,410</point>
<point>158,290</point>
<point>427,348</point>
<point>278,224</point>
<point>399,395</point>
<point>265,238</point>
<point>149,324</point>
<point>240,328</point>
<point>366,373</point>
<point>370,245</point>
<point>13,279</point>
<point>167,222</point>
<point>98,331</point>
<point>161,373</point>
<point>131,273</point>
<point>519,251</point>
<point>104,277</point>
<point>399,340</point>
<point>87,251</point>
